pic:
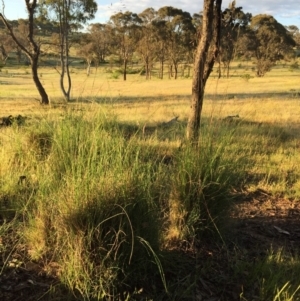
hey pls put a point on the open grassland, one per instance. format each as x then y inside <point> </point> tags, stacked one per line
<point>103,199</point>
<point>259,99</point>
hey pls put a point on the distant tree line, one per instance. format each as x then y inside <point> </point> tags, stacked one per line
<point>169,37</point>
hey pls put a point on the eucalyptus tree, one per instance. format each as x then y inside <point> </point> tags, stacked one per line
<point>197,22</point>
<point>271,41</point>
<point>126,34</point>
<point>234,23</point>
<point>101,39</point>
<point>185,33</point>
<point>161,41</point>
<point>206,54</point>
<point>146,46</point>
<point>6,45</point>
<point>180,35</point>
<point>69,14</point>
<point>295,33</point>
<point>86,50</point>
<point>31,47</point>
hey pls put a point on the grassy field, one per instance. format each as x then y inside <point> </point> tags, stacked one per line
<point>102,199</point>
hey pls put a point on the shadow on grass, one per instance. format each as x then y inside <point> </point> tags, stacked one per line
<point>272,135</point>
<point>218,269</point>
<point>186,97</point>
<point>21,278</point>
<point>260,255</point>
<point>124,252</point>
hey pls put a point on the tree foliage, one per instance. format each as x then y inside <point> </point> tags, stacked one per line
<point>101,39</point>
<point>147,44</point>
<point>234,23</point>
<point>69,14</point>
<point>271,42</point>
<point>126,34</point>
<point>179,34</point>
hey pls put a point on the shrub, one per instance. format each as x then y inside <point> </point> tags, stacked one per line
<point>294,65</point>
<point>246,77</point>
<point>115,75</point>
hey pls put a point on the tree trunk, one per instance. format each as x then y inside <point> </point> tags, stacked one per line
<point>64,52</point>
<point>227,69</point>
<point>63,66</point>
<point>67,64</point>
<point>146,65</point>
<point>125,69</point>
<point>175,70</point>
<point>4,55</point>
<point>39,86</point>
<point>32,51</point>
<point>147,71</point>
<point>147,68</point>
<point>170,70</point>
<point>88,68</point>
<point>162,68</point>
<point>207,52</point>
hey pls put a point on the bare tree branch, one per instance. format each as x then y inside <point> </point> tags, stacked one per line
<point>33,50</point>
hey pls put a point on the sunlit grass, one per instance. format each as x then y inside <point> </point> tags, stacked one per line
<point>108,183</point>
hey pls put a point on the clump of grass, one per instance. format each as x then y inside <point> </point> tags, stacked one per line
<point>116,74</point>
<point>201,185</point>
<point>273,277</point>
<point>273,156</point>
<point>97,211</point>
<point>39,143</point>
<point>246,77</point>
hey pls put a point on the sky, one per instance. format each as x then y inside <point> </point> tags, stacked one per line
<point>285,12</point>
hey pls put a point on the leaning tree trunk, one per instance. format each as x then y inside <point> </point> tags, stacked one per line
<point>37,82</point>
<point>207,52</point>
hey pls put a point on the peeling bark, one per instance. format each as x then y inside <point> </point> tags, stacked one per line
<point>206,54</point>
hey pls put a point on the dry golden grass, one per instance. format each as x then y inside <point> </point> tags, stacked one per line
<point>268,99</point>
